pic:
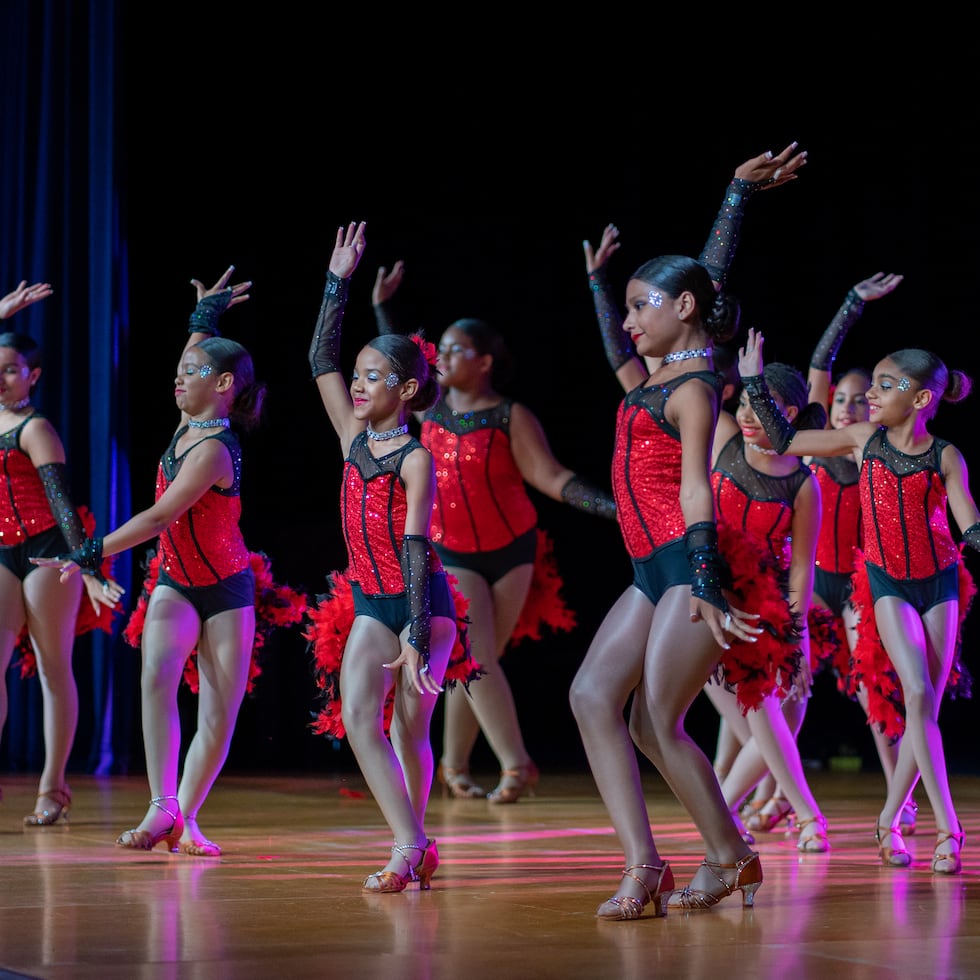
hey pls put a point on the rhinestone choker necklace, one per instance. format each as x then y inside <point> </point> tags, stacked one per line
<point>23,403</point>
<point>686,355</point>
<point>210,424</point>
<point>398,430</point>
<point>760,449</point>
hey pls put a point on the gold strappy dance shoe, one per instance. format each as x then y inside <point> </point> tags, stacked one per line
<point>198,847</point>
<point>947,862</point>
<point>907,818</point>
<point>891,856</point>
<point>144,840</point>
<point>45,816</point>
<point>514,783</point>
<point>813,841</point>
<point>694,899</point>
<point>422,871</point>
<point>458,783</point>
<point>621,907</point>
<point>770,815</point>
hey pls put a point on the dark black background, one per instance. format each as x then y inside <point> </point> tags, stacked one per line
<point>485,172</point>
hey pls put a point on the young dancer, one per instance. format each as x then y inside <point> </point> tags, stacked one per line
<point>202,587</point>
<point>38,518</point>
<point>404,625</point>
<point>485,530</point>
<point>910,480</point>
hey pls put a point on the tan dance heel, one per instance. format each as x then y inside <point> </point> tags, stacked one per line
<point>523,780</point>
<point>46,816</point>
<point>458,783</point>
<point>621,907</point>
<point>694,899</point>
<point>946,862</point>
<point>143,840</point>
<point>422,871</point>
<point>894,857</point>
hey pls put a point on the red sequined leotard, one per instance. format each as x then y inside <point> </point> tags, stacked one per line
<point>24,507</point>
<point>903,500</point>
<point>907,535</point>
<point>646,466</point>
<point>373,510</point>
<point>482,503</point>
<point>840,517</point>
<point>205,544</point>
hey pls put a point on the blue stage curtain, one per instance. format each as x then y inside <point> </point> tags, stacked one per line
<point>61,193</point>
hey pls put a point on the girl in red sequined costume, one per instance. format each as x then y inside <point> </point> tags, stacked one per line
<point>37,517</point>
<point>775,500</point>
<point>487,447</point>
<point>204,597</point>
<point>404,626</point>
<point>652,650</point>
<point>913,592</point>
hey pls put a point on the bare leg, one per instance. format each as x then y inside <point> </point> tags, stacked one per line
<point>489,705</point>
<point>921,650</point>
<point>223,657</point>
<point>670,684</point>
<point>12,618</point>
<point>170,633</point>
<point>399,779</point>
<point>52,608</point>
<point>608,676</point>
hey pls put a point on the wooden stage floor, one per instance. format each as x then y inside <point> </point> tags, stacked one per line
<point>514,897</point>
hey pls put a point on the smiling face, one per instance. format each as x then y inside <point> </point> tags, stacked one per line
<point>16,377</point>
<point>375,390</point>
<point>893,396</point>
<point>850,401</point>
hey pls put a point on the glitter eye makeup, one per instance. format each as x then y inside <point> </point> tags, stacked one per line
<point>656,299</point>
<point>206,370</point>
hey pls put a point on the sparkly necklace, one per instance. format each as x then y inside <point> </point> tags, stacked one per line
<point>210,423</point>
<point>23,403</point>
<point>398,430</point>
<point>760,449</point>
<point>686,355</point>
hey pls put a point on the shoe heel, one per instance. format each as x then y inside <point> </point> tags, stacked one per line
<point>748,894</point>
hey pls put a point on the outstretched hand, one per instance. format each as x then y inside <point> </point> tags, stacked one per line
<point>607,246</point>
<point>386,283</point>
<point>750,356</point>
<point>418,673</point>
<point>67,566</point>
<point>878,285</point>
<point>23,296</point>
<point>239,292</point>
<point>348,249</point>
<point>771,171</point>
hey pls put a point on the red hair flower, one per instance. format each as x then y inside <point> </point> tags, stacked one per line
<point>428,349</point>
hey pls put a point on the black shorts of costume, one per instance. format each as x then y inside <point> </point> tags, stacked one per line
<point>393,610</point>
<point>235,592</point>
<point>666,567</point>
<point>920,593</point>
<point>493,565</point>
<point>47,544</point>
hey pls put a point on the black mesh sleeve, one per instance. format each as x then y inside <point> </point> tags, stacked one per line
<point>709,570</point>
<point>415,571</point>
<point>972,536</point>
<point>204,319</point>
<point>829,344</point>
<point>584,496</point>
<point>719,249</point>
<point>777,426</point>
<point>616,341</point>
<point>325,347</point>
<point>54,478</point>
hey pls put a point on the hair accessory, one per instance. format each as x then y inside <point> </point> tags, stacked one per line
<point>428,349</point>
<point>23,403</point>
<point>904,384</point>
<point>210,423</point>
<point>686,355</point>
<point>398,430</point>
<point>761,449</point>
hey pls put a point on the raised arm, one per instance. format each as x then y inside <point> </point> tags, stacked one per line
<point>758,173</point>
<point>324,354</point>
<point>385,286</point>
<point>616,342</point>
<point>22,297</point>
